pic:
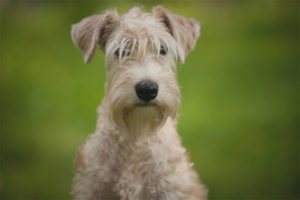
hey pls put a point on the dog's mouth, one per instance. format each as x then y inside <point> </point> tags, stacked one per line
<point>146,104</point>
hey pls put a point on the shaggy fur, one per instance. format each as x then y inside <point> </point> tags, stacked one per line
<point>136,153</point>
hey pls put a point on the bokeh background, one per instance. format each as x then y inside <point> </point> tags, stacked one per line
<point>240,87</point>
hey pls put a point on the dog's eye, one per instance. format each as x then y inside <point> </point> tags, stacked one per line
<point>117,52</point>
<point>163,51</point>
<point>124,52</point>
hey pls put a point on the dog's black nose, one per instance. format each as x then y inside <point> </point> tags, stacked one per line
<point>146,90</point>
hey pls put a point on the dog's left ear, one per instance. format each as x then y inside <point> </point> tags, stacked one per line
<point>93,31</point>
<point>185,31</point>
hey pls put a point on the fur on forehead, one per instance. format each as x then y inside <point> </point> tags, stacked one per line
<point>138,33</point>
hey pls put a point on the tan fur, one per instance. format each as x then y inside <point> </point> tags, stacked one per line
<point>136,153</point>
<point>91,31</point>
<point>79,161</point>
<point>185,31</point>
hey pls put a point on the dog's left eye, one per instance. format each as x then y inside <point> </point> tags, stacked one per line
<point>163,51</point>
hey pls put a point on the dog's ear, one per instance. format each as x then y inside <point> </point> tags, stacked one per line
<point>93,31</point>
<point>185,31</point>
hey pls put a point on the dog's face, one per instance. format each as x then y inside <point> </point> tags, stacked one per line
<point>140,48</point>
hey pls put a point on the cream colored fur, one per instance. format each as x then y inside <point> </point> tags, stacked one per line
<point>136,153</point>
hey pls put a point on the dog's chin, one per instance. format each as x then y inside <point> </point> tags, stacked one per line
<point>142,117</point>
<point>139,117</point>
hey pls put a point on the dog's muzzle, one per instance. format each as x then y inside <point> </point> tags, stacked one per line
<point>146,90</point>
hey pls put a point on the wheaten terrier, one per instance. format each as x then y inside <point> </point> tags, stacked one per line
<point>136,153</point>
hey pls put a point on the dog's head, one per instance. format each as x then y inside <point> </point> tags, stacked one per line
<point>140,48</point>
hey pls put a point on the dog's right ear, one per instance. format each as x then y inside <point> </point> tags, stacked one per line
<point>93,31</point>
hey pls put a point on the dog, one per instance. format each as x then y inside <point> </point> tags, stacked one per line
<point>136,152</point>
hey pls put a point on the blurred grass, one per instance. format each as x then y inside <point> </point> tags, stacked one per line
<point>240,86</point>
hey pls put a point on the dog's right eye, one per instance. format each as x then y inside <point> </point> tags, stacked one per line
<point>117,52</point>
<point>124,53</point>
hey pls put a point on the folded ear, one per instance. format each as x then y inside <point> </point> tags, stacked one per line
<point>185,31</point>
<point>93,31</point>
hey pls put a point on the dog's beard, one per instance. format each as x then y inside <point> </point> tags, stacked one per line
<point>138,118</point>
<point>144,119</point>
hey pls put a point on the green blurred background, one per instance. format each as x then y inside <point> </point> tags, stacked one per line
<point>240,86</point>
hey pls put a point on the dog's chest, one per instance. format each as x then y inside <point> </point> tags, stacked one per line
<point>138,171</point>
